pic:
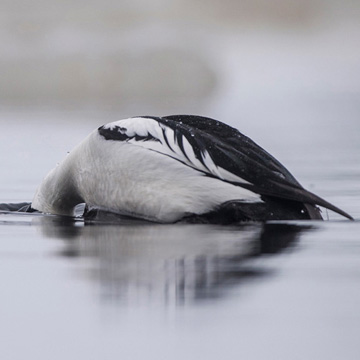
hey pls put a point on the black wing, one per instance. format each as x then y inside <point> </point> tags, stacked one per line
<point>238,154</point>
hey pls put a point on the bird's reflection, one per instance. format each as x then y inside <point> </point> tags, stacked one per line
<point>137,262</point>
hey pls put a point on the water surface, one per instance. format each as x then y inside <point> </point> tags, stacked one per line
<point>135,290</point>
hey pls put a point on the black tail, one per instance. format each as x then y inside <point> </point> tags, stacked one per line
<point>281,190</point>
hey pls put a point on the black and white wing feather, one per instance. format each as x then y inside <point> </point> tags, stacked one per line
<point>168,137</point>
<point>216,150</point>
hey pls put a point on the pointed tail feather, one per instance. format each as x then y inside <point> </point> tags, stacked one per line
<point>300,194</point>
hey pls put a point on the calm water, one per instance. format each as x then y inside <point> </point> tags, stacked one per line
<point>146,291</point>
<point>285,73</point>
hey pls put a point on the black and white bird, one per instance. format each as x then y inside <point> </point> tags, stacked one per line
<point>166,169</point>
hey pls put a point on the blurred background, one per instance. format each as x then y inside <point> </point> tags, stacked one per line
<point>213,57</point>
<point>285,72</point>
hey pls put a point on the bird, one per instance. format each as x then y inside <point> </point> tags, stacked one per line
<point>176,168</point>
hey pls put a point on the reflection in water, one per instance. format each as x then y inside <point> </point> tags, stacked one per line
<point>175,264</point>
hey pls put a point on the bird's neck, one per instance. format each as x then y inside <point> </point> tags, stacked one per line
<point>57,193</point>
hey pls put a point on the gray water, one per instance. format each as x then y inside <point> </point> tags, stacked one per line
<point>285,290</point>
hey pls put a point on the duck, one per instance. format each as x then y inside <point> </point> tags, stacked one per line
<point>176,168</point>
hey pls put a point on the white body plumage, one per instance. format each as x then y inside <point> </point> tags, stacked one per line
<point>155,179</point>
